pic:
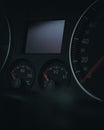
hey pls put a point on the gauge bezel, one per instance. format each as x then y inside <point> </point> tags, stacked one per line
<point>70,53</point>
<point>9,43</point>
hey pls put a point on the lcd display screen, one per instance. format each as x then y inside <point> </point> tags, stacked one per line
<point>45,37</point>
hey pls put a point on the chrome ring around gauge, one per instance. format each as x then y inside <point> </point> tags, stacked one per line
<point>5,40</point>
<point>86,55</point>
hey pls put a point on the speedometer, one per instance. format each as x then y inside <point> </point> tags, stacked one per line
<point>86,53</point>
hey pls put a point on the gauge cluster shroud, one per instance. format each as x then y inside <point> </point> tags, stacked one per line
<point>53,91</point>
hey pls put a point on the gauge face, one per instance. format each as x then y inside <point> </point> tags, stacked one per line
<point>22,75</point>
<point>87,51</point>
<point>5,40</point>
<point>54,76</point>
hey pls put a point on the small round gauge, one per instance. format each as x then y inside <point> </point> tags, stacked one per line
<point>22,75</point>
<point>54,76</point>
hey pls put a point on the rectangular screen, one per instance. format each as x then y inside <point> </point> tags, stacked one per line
<point>45,37</point>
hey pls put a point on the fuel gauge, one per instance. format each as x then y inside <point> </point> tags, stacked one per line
<point>54,76</point>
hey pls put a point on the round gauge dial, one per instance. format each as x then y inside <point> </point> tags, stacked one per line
<point>22,75</point>
<point>86,53</point>
<point>54,76</point>
<point>5,40</point>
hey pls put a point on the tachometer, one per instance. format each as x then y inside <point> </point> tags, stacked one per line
<point>5,40</point>
<point>86,53</point>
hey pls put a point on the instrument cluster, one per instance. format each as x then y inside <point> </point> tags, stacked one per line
<point>50,52</point>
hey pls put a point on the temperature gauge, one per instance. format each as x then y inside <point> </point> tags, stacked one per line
<point>22,75</point>
<point>54,76</point>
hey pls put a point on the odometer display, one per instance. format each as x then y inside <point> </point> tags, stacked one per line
<point>86,53</point>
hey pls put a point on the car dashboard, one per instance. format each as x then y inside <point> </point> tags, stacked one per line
<point>51,70</point>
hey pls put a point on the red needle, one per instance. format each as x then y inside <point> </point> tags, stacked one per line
<point>45,76</point>
<point>93,68</point>
<point>14,78</point>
